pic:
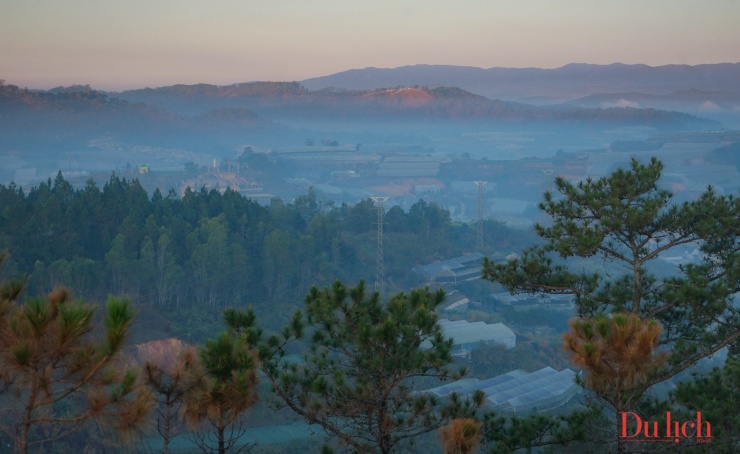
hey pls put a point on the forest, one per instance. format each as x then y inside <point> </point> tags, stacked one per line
<point>124,313</point>
<point>206,250</point>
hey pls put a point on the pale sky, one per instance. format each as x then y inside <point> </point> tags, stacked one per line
<point>114,45</point>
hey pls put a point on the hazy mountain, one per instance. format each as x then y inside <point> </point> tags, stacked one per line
<point>567,82</point>
<point>274,114</point>
<point>200,98</point>
<point>70,117</point>
<point>692,100</point>
<point>291,102</point>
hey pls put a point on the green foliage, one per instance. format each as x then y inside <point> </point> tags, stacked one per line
<point>625,317</point>
<point>362,361</point>
<point>204,248</point>
<point>56,375</point>
<point>117,322</point>
<point>717,396</point>
<point>506,435</point>
<point>229,388</point>
<point>625,218</point>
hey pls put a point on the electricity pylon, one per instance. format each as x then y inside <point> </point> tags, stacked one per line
<point>479,238</point>
<point>379,262</point>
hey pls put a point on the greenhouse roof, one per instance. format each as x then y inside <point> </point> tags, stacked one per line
<point>453,265</point>
<point>517,390</point>
<point>464,332</point>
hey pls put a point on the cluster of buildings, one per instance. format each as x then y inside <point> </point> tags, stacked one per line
<point>516,391</point>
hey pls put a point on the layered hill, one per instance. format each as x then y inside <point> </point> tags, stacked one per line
<point>286,102</point>
<point>693,100</point>
<point>275,113</point>
<point>70,117</point>
<point>564,83</point>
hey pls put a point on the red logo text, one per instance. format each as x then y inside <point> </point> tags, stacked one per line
<point>633,428</point>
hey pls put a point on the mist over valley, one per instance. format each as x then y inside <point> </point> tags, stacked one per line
<point>193,199</point>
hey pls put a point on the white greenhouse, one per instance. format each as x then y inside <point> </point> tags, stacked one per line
<point>518,391</point>
<point>467,336</point>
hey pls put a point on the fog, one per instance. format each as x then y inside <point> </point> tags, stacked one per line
<point>278,140</point>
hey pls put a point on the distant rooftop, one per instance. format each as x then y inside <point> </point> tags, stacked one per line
<point>463,268</point>
<point>467,336</point>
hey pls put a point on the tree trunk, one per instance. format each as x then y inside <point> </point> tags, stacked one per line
<point>166,430</point>
<point>619,408</point>
<point>21,440</point>
<point>620,447</point>
<point>221,443</point>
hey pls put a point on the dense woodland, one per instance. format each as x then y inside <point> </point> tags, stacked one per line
<point>202,251</point>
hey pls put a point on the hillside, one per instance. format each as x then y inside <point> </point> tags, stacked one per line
<point>693,100</point>
<point>283,102</point>
<point>564,83</point>
<point>220,118</point>
<point>65,118</point>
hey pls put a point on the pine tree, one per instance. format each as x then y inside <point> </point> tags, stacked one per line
<point>717,396</point>
<point>228,390</point>
<point>626,317</point>
<point>172,370</point>
<point>618,354</point>
<point>57,375</point>
<point>461,436</point>
<point>363,360</point>
<point>627,220</point>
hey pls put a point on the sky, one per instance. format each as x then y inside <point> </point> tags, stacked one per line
<point>115,45</point>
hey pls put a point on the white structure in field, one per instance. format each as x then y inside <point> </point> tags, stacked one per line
<point>468,336</point>
<point>518,391</point>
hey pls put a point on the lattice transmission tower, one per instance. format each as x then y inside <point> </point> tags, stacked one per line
<point>379,261</point>
<point>479,237</point>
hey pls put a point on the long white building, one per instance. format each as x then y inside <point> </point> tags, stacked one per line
<point>518,391</point>
<point>468,336</point>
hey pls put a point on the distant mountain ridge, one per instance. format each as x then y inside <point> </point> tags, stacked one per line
<point>564,83</point>
<point>70,117</point>
<point>281,101</point>
<point>699,100</point>
<point>258,89</point>
<point>277,112</point>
